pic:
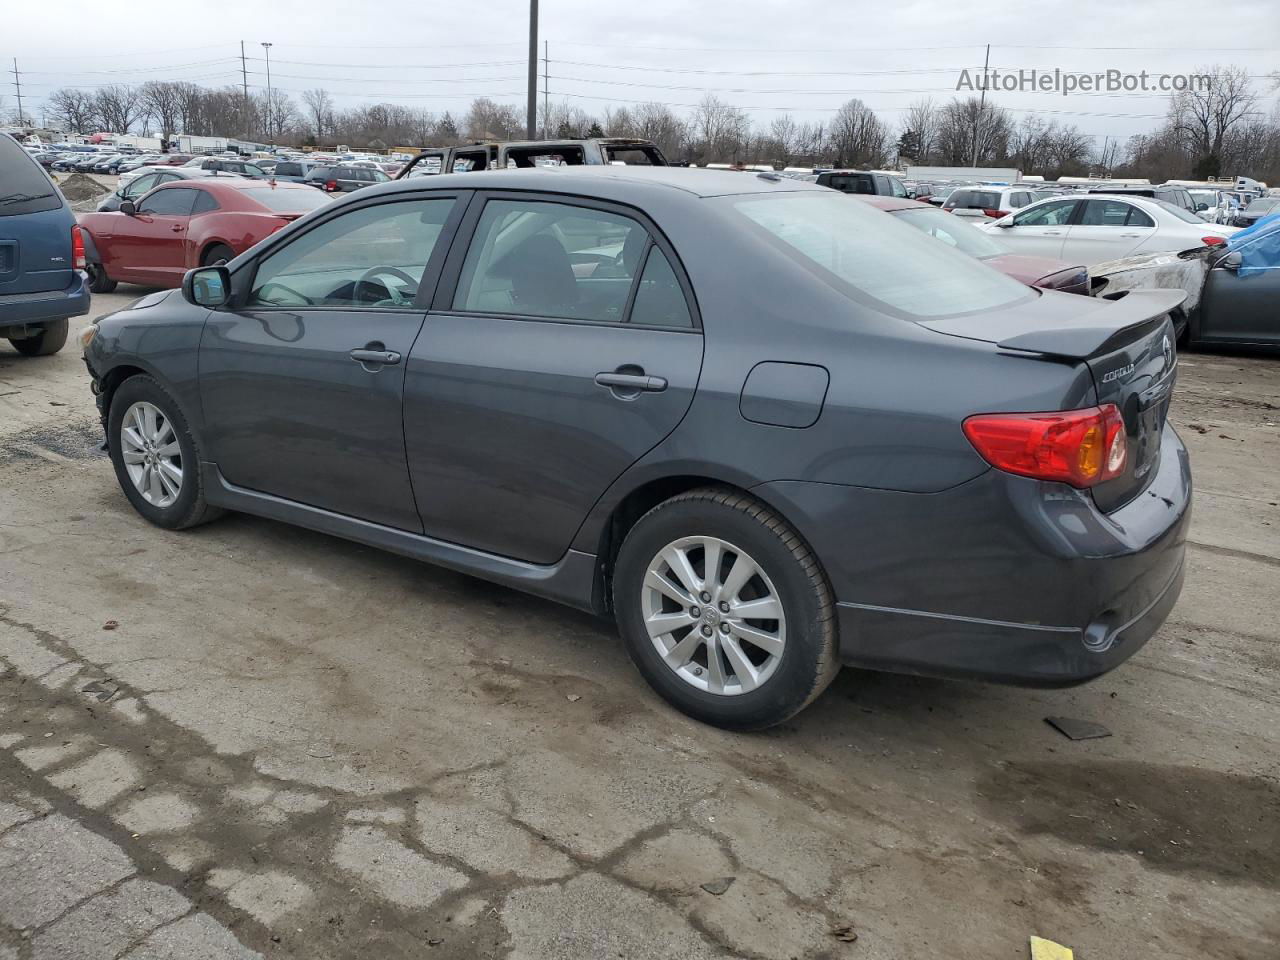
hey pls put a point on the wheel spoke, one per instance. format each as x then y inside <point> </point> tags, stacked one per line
<point>663,623</point>
<point>678,560</point>
<point>742,667</point>
<point>668,589</point>
<point>165,431</point>
<point>766,608</point>
<point>131,456</point>
<point>172,474</point>
<point>711,552</point>
<point>155,487</point>
<point>715,667</point>
<point>683,652</point>
<point>149,422</point>
<point>170,449</point>
<point>134,439</point>
<point>765,641</point>
<point>743,569</point>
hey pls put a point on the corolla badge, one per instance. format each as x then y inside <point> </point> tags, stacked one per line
<point>1116,374</point>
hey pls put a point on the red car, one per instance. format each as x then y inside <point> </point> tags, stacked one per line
<point>1033,271</point>
<point>188,223</point>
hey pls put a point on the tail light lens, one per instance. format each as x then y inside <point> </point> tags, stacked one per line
<point>996,214</point>
<point>1079,447</point>
<point>1213,241</point>
<point>331,185</point>
<point>77,248</point>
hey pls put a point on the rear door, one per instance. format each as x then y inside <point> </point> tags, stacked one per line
<point>1106,229</point>
<point>544,370</point>
<point>1041,230</point>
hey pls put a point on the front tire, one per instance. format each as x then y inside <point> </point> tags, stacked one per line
<point>155,455</point>
<point>51,338</point>
<point>218,253</point>
<point>99,282</point>
<point>724,610</point>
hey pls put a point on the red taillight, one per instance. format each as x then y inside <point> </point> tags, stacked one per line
<point>77,248</point>
<point>996,214</point>
<point>1079,447</point>
<point>331,185</point>
<point>1213,241</point>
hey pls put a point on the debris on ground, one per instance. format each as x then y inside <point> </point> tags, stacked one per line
<point>1048,950</point>
<point>104,690</point>
<point>718,887</point>
<point>1077,729</point>
<point>111,625</point>
<point>845,934</point>
<point>573,697</point>
<point>1198,427</point>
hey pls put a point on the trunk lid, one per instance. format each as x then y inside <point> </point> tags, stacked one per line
<point>1128,346</point>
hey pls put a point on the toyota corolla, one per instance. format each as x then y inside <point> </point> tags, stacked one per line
<point>765,429</point>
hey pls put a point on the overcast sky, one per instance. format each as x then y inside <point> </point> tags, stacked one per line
<point>768,58</point>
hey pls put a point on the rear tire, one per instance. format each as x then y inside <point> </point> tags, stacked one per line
<point>99,282</point>
<point>142,399</point>
<point>51,338</point>
<point>719,665</point>
<point>218,253</point>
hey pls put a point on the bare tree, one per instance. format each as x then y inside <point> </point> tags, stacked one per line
<point>858,136</point>
<point>970,127</point>
<point>924,120</point>
<point>784,134</point>
<point>119,106</point>
<point>1206,115</point>
<point>74,109</point>
<point>319,111</point>
<point>486,119</point>
<point>162,101</point>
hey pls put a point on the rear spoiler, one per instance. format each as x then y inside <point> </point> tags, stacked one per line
<point>1079,343</point>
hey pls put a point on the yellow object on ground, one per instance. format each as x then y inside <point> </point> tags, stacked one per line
<point>1048,950</point>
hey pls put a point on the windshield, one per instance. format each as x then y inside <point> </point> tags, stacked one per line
<point>953,231</point>
<point>302,200</point>
<point>867,255</point>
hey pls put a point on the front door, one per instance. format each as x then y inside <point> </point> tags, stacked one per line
<point>1039,231</point>
<point>561,348</point>
<point>1241,300</point>
<point>302,385</point>
<point>150,246</point>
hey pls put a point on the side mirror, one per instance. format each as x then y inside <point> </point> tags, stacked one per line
<point>1005,224</point>
<point>128,208</point>
<point>1231,261</point>
<point>207,286</point>
<point>1201,207</point>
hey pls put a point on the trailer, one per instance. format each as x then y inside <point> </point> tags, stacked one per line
<point>967,174</point>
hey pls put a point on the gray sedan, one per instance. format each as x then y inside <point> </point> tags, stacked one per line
<point>767,430</point>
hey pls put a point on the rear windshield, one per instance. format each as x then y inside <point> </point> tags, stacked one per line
<point>954,231</point>
<point>1262,204</point>
<point>849,183</point>
<point>869,255</point>
<point>302,200</point>
<point>288,169</point>
<point>1182,213</point>
<point>974,200</point>
<point>24,186</point>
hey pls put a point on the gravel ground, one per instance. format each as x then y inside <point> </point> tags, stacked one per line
<point>252,739</point>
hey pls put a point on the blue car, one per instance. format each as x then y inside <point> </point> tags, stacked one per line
<point>42,264</point>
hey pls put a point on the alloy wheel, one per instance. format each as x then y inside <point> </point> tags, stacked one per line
<point>151,454</point>
<point>713,615</point>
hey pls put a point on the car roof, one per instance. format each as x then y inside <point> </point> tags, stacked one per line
<point>893,204</point>
<point>586,179</point>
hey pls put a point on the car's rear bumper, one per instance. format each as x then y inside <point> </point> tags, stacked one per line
<point>34,309</point>
<point>1002,578</point>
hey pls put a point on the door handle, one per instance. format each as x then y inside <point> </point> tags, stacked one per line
<point>1131,236</point>
<point>1053,233</point>
<point>366,355</point>
<point>176,228</point>
<point>631,382</point>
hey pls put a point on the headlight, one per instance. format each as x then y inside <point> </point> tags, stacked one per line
<point>87,335</point>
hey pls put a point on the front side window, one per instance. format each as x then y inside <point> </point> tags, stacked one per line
<point>896,187</point>
<point>1046,215</point>
<point>169,202</point>
<point>871,257</point>
<point>540,259</point>
<point>369,257</point>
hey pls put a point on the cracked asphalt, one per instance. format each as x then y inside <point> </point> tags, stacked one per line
<point>252,740</point>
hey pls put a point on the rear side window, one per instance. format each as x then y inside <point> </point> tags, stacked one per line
<point>659,300</point>
<point>205,203</point>
<point>169,202</point>
<point>24,187</point>
<point>870,257</point>
<point>1105,213</point>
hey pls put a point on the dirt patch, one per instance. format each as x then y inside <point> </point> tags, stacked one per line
<point>1178,819</point>
<point>78,187</point>
<point>79,439</point>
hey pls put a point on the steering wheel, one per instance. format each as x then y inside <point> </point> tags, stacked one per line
<point>396,272</point>
<point>262,296</point>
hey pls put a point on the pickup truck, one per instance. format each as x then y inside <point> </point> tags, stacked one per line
<point>42,256</point>
<point>498,155</point>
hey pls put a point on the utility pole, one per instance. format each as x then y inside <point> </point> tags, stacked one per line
<point>244,79</point>
<point>982,103</point>
<point>546,90</point>
<point>270,130</point>
<point>531,120</point>
<point>17,82</point>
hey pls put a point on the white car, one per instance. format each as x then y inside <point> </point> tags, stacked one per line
<point>988,202</point>
<point>1092,229</point>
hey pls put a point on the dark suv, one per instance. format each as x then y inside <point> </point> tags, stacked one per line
<point>1178,196</point>
<point>862,181</point>
<point>293,171</point>
<point>42,279</point>
<point>344,179</point>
